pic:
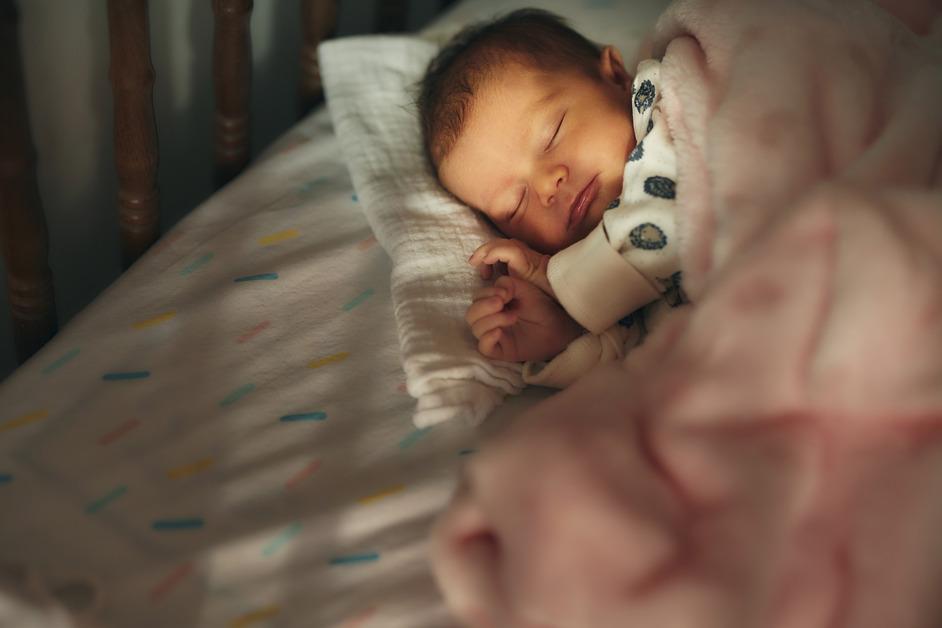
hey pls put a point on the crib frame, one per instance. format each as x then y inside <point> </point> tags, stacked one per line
<point>24,239</point>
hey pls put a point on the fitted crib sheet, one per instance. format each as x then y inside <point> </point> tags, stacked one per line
<point>223,438</point>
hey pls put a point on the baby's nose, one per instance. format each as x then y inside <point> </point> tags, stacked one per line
<point>551,183</point>
<point>557,532</point>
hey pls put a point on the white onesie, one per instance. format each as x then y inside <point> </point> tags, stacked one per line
<point>629,260</point>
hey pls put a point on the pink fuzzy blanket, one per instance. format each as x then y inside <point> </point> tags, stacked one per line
<point>772,456</point>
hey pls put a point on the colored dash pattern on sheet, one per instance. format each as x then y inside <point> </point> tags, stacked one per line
<point>246,620</point>
<point>351,559</point>
<point>283,538</point>
<point>330,359</point>
<point>304,416</point>
<point>237,394</point>
<point>60,362</point>
<point>196,264</point>
<point>23,420</point>
<point>413,437</point>
<point>254,331</point>
<point>387,492</point>
<point>111,436</point>
<point>170,581</point>
<point>5,478</point>
<point>121,376</point>
<point>100,503</point>
<point>258,277</point>
<point>193,468</point>
<point>170,525</point>
<point>280,236</point>
<point>308,470</point>
<point>154,321</point>
<point>357,300</point>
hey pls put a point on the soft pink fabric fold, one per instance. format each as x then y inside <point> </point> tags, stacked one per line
<point>771,457</point>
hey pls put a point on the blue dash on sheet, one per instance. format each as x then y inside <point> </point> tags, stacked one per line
<point>354,198</point>
<point>413,437</point>
<point>354,558</point>
<point>286,535</point>
<point>357,300</point>
<point>237,394</point>
<point>259,277</point>
<point>310,185</point>
<point>101,502</point>
<point>5,478</point>
<point>62,361</point>
<point>125,375</point>
<point>465,452</point>
<point>177,524</point>
<point>197,264</point>
<point>306,416</point>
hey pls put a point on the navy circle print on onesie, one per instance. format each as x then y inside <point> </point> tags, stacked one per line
<point>644,97</point>
<point>638,152</point>
<point>660,187</point>
<point>648,236</point>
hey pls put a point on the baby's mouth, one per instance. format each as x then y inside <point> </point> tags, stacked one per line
<point>583,200</point>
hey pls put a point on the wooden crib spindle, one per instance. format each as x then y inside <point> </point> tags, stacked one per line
<point>24,240</point>
<point>232,79</point>
<point>318,22</point>
<point>135,128</point>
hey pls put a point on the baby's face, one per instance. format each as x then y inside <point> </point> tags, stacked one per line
<point>542,154</point>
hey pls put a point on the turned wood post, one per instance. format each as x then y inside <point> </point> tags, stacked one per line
<point>24,240</point>
<point>135,128</point>
<point>232,80</point>
<point>318,22</point>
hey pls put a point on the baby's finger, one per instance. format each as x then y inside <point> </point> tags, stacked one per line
<point>486,271</point>
<point>495,289</point>
<point>483,307</point>
<point>487,323</point>
<point>489,344</point>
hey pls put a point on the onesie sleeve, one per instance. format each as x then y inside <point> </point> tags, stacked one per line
<point>580,356</point>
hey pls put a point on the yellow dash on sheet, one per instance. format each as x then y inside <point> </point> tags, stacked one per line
<point>156,320</point>
<point>26,419</point>
<point>247,619</point>
<point>190,469</point>
<point>301,475</point>
<point>392,490</point>
<point>280,236</point>
<point>337,357</point>
<point>169,582</point>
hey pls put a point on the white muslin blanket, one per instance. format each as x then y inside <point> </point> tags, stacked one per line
<point>428,234</point>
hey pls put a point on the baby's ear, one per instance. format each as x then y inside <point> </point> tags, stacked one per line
<point>613,68</point>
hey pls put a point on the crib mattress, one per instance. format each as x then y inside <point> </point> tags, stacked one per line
<point>223,437</point>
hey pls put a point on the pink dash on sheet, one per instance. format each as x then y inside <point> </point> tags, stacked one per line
<point>109,437</point>
<point>366,244</point>
<point>402,388</point>
<point>359,619</point>
<point>165,586</point>
<point>254,331</point>
<point>303,474</point>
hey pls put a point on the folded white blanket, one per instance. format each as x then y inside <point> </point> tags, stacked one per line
<point>427,233</point>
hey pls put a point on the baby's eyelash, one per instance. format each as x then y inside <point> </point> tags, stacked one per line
<point>556,132</point>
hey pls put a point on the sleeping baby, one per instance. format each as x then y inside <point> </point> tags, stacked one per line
<point>550,138</point>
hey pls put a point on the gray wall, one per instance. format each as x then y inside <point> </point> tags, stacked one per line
<point>65,58</point>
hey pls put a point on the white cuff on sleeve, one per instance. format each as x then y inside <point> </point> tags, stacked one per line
<point>595,284</point>
<point>580,356</point>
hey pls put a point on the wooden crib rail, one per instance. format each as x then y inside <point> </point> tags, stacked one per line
<point>135,127</point>
<point>24,239</point>
<point>23,234</point>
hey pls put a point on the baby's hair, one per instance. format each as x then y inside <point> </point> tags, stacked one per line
<point>532,36</point>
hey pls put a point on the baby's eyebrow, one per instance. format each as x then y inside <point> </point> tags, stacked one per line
<point>548,98</point>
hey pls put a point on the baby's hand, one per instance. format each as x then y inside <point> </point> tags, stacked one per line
<point>521,260</point>
<point>513,320</point>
